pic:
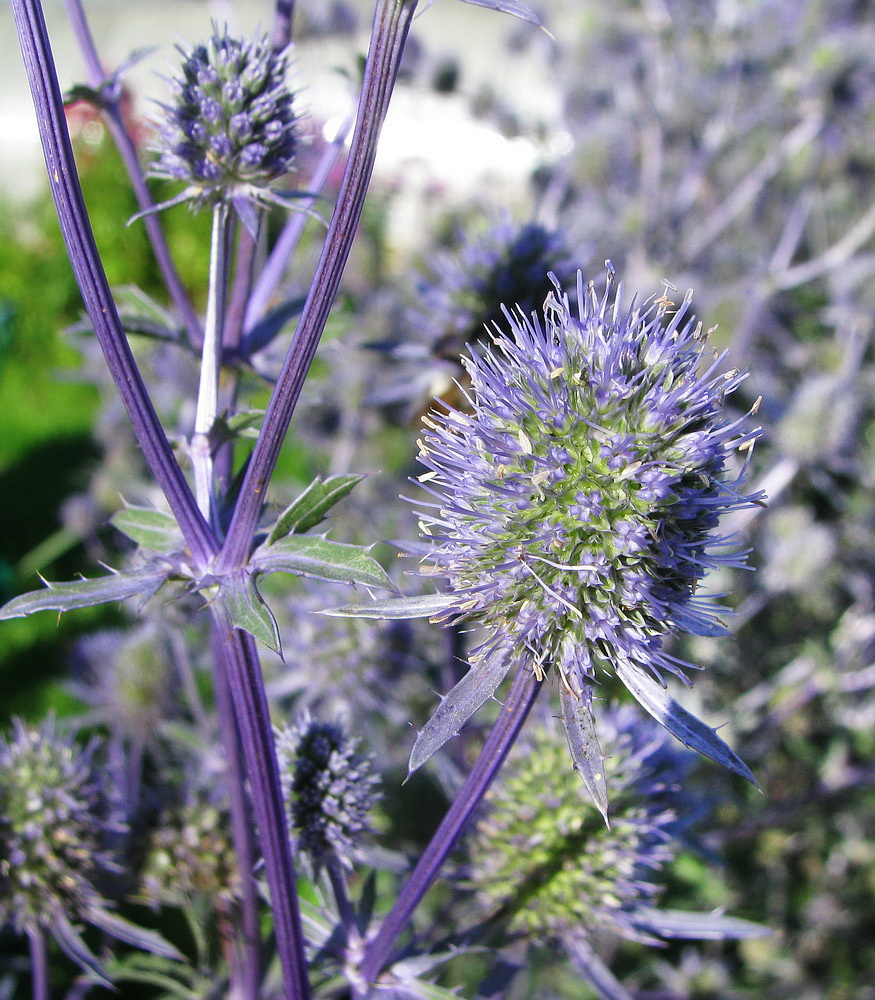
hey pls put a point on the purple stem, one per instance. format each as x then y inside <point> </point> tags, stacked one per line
<point>111,107</point>
<point>39,965</point>
<point>501,738</point>
<point>391,24</point>
<point>91,278</point>
<point>256,736</point>
<point>242,831</point>
<point>281,30</point>
<point>271,274</point>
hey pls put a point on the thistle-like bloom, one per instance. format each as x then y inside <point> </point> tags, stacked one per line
<point>50,830</point>
<point>232,128</point>
<point>576,502</point>
<point>329,789</point>
<point>546,860</point>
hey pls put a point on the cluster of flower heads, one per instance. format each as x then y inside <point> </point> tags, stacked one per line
<point>51,832</point>
<point>232,128</point>
<point>577,495</point>
<point>547,862</point>
<point>329,789</point>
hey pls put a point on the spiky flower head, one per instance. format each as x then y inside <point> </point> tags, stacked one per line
<point>232,128</point>
<point>51,832</point>
<point>543,858</point>
<point>329,789</point>
<point>508,263</point>
<point>191,855</point>
<point>577,498</point>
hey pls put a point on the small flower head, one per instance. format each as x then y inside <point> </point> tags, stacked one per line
<point>577,498</point>
<point>191,855</point>
<point>329,789</point>
<point>232,129</point>
<point>545,858</point>
<point>50,830</point>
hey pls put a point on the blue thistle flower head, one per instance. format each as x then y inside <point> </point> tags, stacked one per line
<point>329,789</point>
<point>577,498</point>
<point>232,128</point>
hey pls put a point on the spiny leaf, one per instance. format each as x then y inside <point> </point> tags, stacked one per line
<point>696,926</point>
<point>153,529</point>
<point>424,606</point>
<point>583,742</point>
<point>326,560</point>
<point>248,611</point>
<point>513,7</point>
<point>139,937</point>
<point>86,593</point>
<point>312,505</point>
<point>476,687</point>
<point>691,731</point>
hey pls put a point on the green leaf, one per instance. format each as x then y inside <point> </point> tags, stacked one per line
<point>139,937</point>
<point>153,529</point>
<point>583,742</point>
<point>229,428</point>
<point>86,593</point>
<point>312,505</point>
<point>309,555</point>
<point>476,687</point>
<point>423,606</point>
<point>248,611</point>
<point>692,732</point>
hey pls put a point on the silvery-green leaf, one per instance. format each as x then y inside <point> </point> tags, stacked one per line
<point>312,505</point>
<point>692,732</point>
<point>696,926</point>
<point>86,593</point>
<point>153,529</point>
<point>475,688</point>
<point>309,555</point>
<point>583,742</point>
<point>248,611</point>
<point>139,937</point>
<point>594,970</point>
<point>424,606</point>
<point>513,7</point>
<point>70,942</point>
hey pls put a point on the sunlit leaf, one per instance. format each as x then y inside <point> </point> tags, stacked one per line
<point>308,555</point>
<point>153,529</point>
<point>312,505</point>
<point>86,593</point>
<point>583,742</point>
<point>692,732</point>
<point>475,688</point>
<point>248,611</point>
<point>139,937</point>
<point>424,606</point>
<point>696,926</point>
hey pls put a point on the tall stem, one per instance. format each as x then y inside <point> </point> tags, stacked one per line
<point>211,367</point>
<point>391,24</point>
<point>242,831</point>
<point>253,716</point>
<point>39,964</point>
<point>501,738</point>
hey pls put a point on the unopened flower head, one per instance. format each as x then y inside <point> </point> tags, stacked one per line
<point>232,128</point>
<point>577,497</point>
<point>542,855</point>
<point>508,263</point>
<point>329,789</point>
<point>50,829</point>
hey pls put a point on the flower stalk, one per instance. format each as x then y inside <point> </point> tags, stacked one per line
<point>502,736</point>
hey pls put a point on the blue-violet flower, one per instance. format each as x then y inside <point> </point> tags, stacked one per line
<point>576,497</point>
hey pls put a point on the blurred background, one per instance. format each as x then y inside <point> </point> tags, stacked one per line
<point>726,146</point>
